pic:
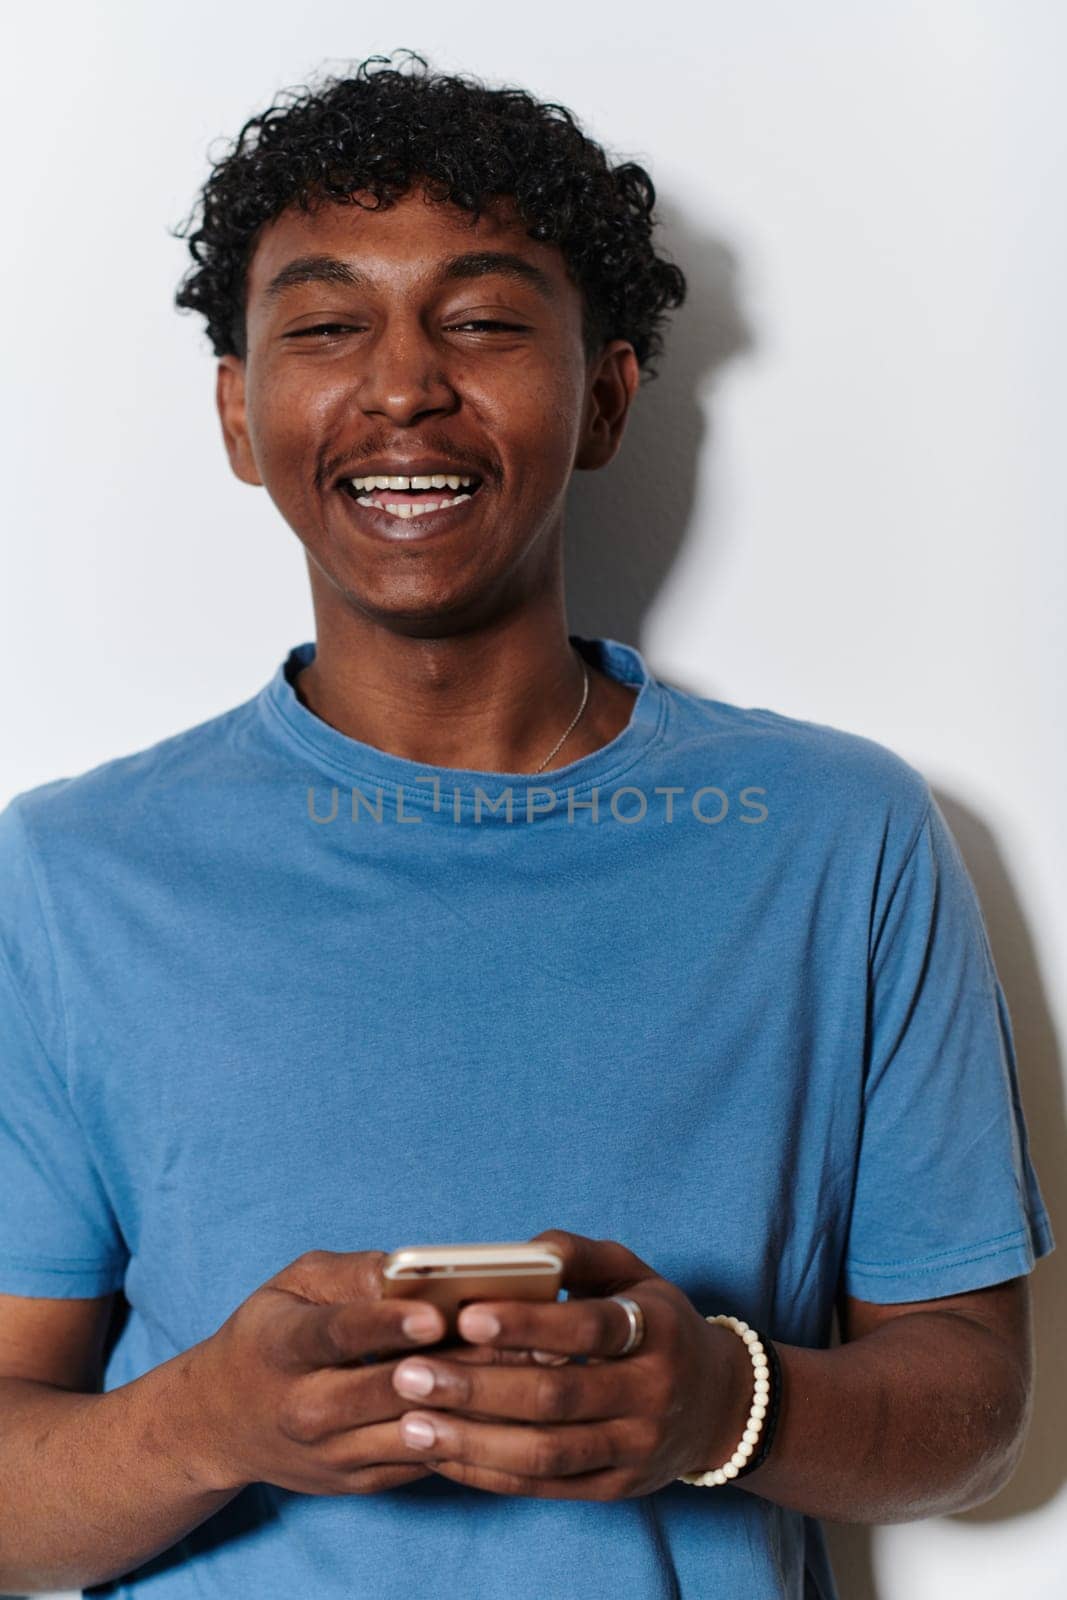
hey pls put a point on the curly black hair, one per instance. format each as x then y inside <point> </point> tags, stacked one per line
<point>385,131</point>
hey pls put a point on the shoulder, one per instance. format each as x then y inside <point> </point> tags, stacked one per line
<point>112,813</point>
<point>117,788</point>
<point>822,771</point>
<point>72,846</point>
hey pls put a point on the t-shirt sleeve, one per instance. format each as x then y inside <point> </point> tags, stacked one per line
<point>59,1238</point>
<point>946,1198</point>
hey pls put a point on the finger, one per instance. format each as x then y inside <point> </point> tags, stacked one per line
<point>339,1400</point>
<point>610,1485</point>
<point>593,1327</point>
<point>333,1400</point>
<point>531,1452</point>
<point>328,1277</point>
<point>595,1266</point>
<point>371,1444</point>
<point>485,1355</point>
<point>531,1394</point>
<point>332,1335</point>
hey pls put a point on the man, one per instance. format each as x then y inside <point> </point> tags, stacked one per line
<point>465,928</point>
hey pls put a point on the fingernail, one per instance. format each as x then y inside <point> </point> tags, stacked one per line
<point>418,1432</point>
<point>478,1325</point>
<point>413,1378</point>
<point>419,1325</point>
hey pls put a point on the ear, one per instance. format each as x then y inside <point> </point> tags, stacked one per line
<point>230,400</point>
<point>614,381</point>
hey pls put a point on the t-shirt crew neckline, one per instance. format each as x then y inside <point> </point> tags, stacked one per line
<point>353,761</point>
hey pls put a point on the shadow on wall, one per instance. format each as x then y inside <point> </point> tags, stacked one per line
<point>627,523</point>
<point>626,527</point>
<point>1041,1472</point>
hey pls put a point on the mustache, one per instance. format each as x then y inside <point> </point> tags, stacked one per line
<point>332,467</point>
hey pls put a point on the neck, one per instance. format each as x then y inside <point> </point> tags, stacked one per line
<point>495,699</point>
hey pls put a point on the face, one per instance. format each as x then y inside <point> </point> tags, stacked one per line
<point>409,348</point>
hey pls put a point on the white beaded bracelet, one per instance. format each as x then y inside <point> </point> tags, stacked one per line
<point>750,1437</point>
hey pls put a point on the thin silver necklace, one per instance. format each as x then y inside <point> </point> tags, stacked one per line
<point>574,724</point>
<point>302,695</point>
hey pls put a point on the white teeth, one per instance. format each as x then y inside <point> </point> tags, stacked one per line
<point>437,480</point>
<point>410,508</point>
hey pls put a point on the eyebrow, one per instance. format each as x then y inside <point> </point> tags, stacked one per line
<point>475,264</point>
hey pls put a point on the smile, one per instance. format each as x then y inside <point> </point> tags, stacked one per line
<point>408,508</point>
<point>389,506</point>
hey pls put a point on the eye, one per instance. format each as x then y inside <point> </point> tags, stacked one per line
<point>509,327</point>
<point>327,329</point>
<point>322,327</point>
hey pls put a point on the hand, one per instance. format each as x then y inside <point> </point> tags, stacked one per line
<point>285,1395</point>
<point>607,1430</point>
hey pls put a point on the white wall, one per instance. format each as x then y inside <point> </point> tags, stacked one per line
<point>844,497</point>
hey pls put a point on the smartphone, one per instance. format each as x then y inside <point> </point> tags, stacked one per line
<point>450,1276</point>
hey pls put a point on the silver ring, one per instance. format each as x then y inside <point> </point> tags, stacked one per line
<point>637,1323</point>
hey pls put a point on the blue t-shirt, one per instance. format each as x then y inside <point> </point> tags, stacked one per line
<point>720,990</point>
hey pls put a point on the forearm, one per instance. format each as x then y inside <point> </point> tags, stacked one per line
<point>925,1416</point>
<point>91,1485</point>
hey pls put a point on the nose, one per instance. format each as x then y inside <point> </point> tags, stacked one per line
<point>403,377</point>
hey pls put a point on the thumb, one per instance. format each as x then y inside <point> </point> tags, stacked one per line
<point>594,1267</point>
